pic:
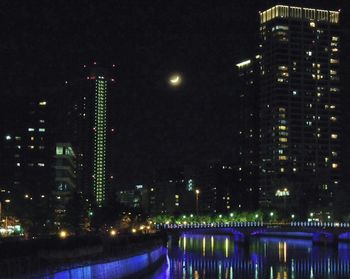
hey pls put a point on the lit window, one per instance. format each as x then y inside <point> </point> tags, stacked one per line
<point>334,136</point>
<point>282,128</point>
<point>31,129</point>
<point>334,61</point>
<point>59,150</point>
<point>280,27</point>
<point>283,139</point>
<point>42,103</point>
<point>41,165</point>
<point>333,118</point>
<point>8,137</point>
<point>334,89</point>
<point>282,158</point>
<point>41,130</point>
<point>334,165</point>
<point>312,24</point>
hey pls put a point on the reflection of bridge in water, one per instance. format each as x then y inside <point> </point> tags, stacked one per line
<point>259,267</point>
<point>319,232</point>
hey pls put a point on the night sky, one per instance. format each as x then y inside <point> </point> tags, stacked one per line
<point>46,42</point>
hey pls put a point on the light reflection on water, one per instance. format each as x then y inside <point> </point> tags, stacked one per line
<point>199,256</point>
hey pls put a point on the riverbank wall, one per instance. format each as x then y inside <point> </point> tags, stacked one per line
<point>43,258</point>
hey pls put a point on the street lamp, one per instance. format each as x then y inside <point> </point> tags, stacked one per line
<point>197,199</point>
<point>63,234</point>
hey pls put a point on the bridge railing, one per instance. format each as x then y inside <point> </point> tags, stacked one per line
<point>301,224</point>
<point>208,225</point>
<point>320,224</point>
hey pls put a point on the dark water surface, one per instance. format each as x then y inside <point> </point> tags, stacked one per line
<point>206,256</point>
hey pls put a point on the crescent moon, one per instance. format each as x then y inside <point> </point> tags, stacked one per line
<point>175,80</point>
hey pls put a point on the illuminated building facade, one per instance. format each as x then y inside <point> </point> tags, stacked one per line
<point>100,139</point>
<point>299,106</point>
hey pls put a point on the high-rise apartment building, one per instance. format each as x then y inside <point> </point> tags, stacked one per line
<point>26,155</point>
<point>248,131</point>
<point>299,106</point>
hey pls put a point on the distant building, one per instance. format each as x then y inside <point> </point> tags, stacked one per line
<point>135,198</point>
<point>167,193</point>
<point>65,178</point>
<point>299,106</point>
<point>26,149</point>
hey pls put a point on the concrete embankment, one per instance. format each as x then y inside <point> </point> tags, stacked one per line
<point>44,258</point>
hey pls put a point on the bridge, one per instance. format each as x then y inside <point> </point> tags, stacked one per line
<point>319,232</point>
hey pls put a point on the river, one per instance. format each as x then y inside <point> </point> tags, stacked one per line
<point>218,256</point>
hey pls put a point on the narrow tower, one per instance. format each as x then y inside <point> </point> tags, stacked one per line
<point>100,138</point>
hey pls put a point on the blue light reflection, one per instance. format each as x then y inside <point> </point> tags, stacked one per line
<point>111,270</point>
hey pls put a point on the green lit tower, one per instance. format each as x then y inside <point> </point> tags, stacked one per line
<point>101,81</point>
<point>100,140</point>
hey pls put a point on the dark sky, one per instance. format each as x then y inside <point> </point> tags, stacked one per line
<point>47,41</point>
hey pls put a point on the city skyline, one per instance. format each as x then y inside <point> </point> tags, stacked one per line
<point>206,61</point>
<point>222,137</point>
<point>162,139</point>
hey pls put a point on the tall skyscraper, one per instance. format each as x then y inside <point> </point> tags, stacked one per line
<point>88,129</point>
<point>248,132</point>
<point>299,109</point>
<point>100,135</point>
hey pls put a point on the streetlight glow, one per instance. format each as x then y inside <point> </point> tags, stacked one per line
<point>63,234</point>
